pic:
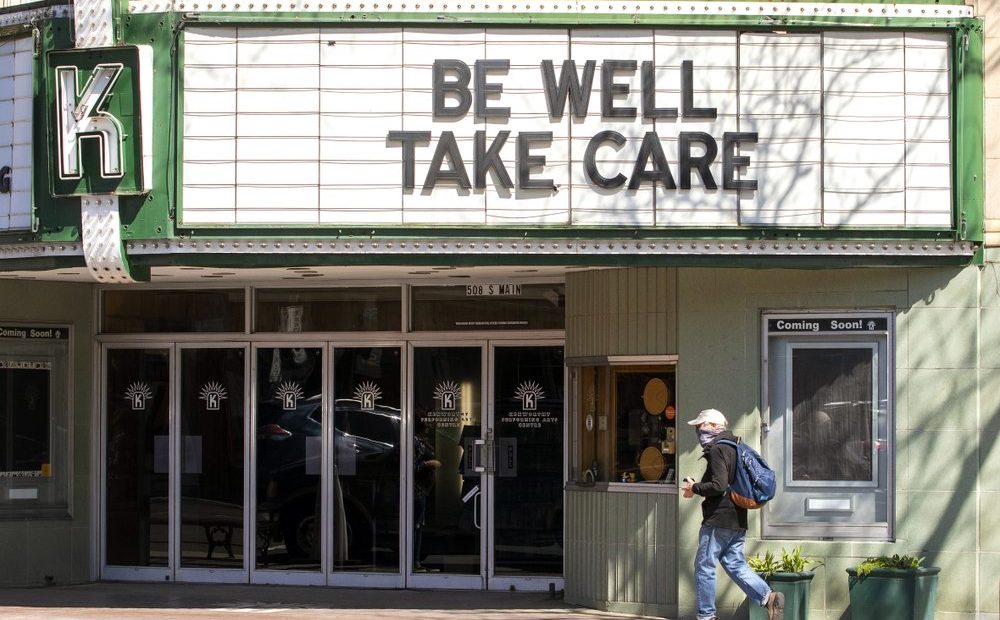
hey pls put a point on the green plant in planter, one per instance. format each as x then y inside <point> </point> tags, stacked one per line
<point>765,565</point>
<point>790,562</point>
<point>896,587</point>
<point>789,574</point>
<point>899,562</point>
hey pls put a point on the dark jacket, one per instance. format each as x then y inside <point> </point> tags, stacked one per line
<point>717,510</point>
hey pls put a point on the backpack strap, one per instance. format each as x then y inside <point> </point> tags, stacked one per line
<point>735,445</point>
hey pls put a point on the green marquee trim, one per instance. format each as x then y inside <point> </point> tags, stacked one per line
<point>154,215</point>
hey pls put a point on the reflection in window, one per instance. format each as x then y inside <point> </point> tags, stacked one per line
<point>137,460</point>
<point>624,418</point>
<point>328,310</point>
<point>147,311</point>
<point>489,306</point>
<point>35,461</point>
<point>289,458</point>
<point>24,417</point>
<point>645,426</point>
<point>832,414</point>
<point>366,459</point>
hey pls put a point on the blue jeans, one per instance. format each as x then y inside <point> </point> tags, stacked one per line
<point>724,546</point>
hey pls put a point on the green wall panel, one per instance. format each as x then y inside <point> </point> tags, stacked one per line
<point>942,398</point>
<point>56,547</point>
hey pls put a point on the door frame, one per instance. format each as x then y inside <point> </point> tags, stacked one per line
<point>207,575</point>
<point>266,576</point>
<point>487,579</point>
<point>439,581</point>
<point>120,572</point>
<point>326,576</point>
<point>531,583</point>
<point>173,571</point>
<point>352,579</point>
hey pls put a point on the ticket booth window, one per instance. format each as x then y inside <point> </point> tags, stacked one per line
<point>34,411</point>
<point>625,421</point>
<point>829,424</point>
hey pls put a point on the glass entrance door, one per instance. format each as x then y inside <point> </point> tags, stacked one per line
<point>174,484</point>
<point>365,496</point>
<point>448,461</point>
<point>137,463</point>
<point>210,484</point>
<point>526,502</point>
<point>428,466</point>
<point>486,481</point>
<point>288,453</point>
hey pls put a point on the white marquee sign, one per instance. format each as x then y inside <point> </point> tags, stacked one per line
<point>512,127</point>
<point>16,120</point>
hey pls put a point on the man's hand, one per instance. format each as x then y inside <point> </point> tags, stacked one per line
<point>686,487</point>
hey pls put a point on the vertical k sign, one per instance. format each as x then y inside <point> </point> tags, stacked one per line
<point>100,124</point>
<point>80,117</point>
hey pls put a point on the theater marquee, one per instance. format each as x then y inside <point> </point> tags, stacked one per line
<point>566,127</point>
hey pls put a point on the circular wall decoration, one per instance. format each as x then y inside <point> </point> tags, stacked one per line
<point>655,396</point>
<point>651,464</point>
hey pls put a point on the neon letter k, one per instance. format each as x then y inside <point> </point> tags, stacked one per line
<point>80,118</point>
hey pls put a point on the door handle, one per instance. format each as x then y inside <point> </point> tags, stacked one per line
<point>491,453</point>
<point>478,447</point>
<point>474,496</point>
<point>475,510</point>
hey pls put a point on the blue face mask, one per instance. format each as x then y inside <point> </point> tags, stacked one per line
<point>707,435</point>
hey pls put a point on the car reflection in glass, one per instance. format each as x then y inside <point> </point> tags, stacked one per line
<point>366,486</point>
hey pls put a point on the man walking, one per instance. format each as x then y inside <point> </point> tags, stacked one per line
<point>724,524</point>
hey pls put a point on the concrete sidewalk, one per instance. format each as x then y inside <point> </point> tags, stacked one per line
<point>136,601</point>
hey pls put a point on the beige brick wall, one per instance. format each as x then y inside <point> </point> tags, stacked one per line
<point>989,10</point>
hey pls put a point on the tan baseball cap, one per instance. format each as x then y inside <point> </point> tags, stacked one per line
<point>709,416</point>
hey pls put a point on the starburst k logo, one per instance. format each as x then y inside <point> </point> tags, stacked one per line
<point>213,394</point>
<point>367,393</point>
<point>137,394</point>
<point>446,393</point>
<point>530,392</point>
<point>289,393</point>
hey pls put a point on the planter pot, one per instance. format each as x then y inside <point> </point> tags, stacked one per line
<point>894,594</point>
<point>795,587</point>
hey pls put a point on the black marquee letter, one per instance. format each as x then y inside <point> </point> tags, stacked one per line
<point>459,87</point>
<point>447,146</point>
<point>649,109</point>
<point>702,163</point>
<point>408,140</point>
<point>526,161</point>
<point>590,166</point>
<point>569,84</point>
<point>731,140</point>
<point>661,170</point>
<point>485,159</point>
<point>609,88</point>
<point>687,95</point>
<point>483,89</point>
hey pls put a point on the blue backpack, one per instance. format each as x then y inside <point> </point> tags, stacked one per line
<point>754,483</point>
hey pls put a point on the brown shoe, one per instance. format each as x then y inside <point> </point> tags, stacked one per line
<point>775,606</point>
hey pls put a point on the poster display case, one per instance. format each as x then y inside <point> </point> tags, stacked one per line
<point>625,420</point>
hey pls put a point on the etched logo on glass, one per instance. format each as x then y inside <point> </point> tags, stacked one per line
<point>213,394</point>
<point>367,393</point>
<point>289,394</point>
<point>137,394</point>
<point>530,392</point>
<point>447,393</point>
